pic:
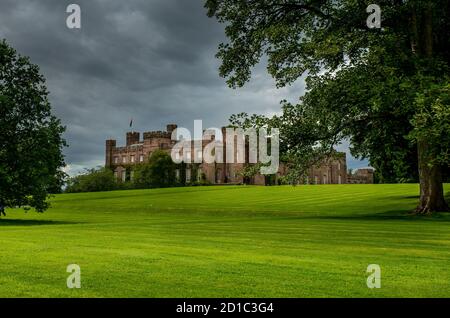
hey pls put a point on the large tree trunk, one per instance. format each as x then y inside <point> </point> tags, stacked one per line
<point>431,188</point>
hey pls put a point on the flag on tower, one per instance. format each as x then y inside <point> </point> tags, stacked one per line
<point>131,122</point>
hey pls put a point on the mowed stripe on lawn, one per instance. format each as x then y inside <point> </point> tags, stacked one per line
<point>228,241</point>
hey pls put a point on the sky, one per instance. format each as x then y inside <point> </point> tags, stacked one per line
<point>149,60</point>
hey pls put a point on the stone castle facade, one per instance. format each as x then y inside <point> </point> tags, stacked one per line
<point>123,160</point>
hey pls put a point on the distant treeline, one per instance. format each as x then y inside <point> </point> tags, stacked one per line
<point>158,172</point>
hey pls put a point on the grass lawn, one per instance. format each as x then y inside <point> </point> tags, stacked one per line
<point>228,241</point>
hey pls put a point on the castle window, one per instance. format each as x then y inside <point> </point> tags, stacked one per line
<point>124,159</point>
<point>132,158</point>
<point>316,180</point>
<point>141,158</point>
<point>188,175</point>
<point>116,159</point>
<point>116,174</point>
<point>177,174</point>
<point>339,166</point>
<point>188,156</point>
<point>199,154</point>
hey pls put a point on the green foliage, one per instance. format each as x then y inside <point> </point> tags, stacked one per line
<point>362,83</point>
<point>93,180</point>
<point>198,182</point>
<point>432,122</point>
<point>371,105</point>
<point>305,36</point>
<point>30,136</point>
<point>159,172</point>
<point>250,170</point>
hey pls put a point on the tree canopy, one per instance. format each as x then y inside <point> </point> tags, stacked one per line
<point>159,172</point>
<point>30,136</point>
<point>383,89</point>
<point>92,180</point>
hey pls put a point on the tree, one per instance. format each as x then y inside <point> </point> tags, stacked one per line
<point>93,180</point>
<point>368,85</point>
<point>30,136</point>
<point>159,172</point>
<point>432,131</point>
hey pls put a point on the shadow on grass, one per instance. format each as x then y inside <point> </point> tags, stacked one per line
<point>409,197</point>
<point>390,216</point>
<point>19,222</point>
<point>446,195</point>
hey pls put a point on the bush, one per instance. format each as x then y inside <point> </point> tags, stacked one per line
<point>199,183</point>
<point>93,180</point>
<point>159,172</point>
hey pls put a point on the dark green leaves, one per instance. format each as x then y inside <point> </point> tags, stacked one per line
<point>30,136</point>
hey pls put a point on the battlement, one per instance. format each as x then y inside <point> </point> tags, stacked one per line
<point>132,138</point>
<point>159,133</point>
<point>156,134</point>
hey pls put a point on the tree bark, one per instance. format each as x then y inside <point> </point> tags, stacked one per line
<point>431,188</point>
<point>430,177</point>
<point>428,31</point>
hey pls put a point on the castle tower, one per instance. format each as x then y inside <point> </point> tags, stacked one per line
<point>110,147</point>
<point>132,138</point>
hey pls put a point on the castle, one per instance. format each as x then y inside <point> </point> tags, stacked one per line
<point>123,160</point>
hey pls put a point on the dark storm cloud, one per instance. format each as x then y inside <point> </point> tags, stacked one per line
<point>150,60</point>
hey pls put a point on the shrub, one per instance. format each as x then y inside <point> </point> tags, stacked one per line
<point>159,172</point>
<point>93,180</point>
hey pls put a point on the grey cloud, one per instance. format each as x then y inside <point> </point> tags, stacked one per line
<point>153,61</point>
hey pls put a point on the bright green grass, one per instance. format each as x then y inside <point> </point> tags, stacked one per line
<point>237,241</point>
